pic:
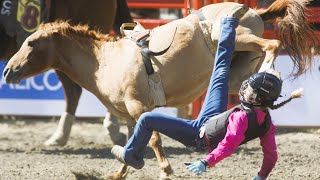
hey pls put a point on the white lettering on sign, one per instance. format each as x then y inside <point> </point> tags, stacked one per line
<point>31,83</point>
<point>48,85</point>
<point>6,7</point>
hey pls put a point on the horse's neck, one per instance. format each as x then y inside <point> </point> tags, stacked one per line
<point>79,61</point>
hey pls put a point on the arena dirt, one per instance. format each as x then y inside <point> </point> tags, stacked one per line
<point>23,156</point>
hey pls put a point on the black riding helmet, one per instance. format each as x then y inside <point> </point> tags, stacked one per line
<point>265,87</point>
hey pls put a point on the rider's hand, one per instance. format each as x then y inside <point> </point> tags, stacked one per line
<point>259,178</point>
<point>198,167</point>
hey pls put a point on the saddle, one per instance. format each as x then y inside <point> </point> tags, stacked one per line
<point>153,43</point>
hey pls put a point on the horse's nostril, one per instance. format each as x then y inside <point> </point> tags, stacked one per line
<point>5,72</point>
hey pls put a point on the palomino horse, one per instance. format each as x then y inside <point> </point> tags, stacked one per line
<point>97,14</point>
<point>114,71</point>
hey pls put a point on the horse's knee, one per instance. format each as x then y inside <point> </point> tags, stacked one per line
<point>273,46</point>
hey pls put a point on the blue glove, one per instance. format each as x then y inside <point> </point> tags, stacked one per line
<point>198,167</point>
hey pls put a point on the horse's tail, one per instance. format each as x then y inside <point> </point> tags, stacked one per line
<point>122,16</point>
<point>296,34</point>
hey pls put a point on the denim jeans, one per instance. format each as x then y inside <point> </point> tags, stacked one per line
<point>216,100</point>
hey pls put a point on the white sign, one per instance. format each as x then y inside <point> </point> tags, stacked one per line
<point>303,111</point>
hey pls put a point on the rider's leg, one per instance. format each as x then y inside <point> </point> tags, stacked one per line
<point>216,100</point>
<point>184,131</point>
<point>181,130</point>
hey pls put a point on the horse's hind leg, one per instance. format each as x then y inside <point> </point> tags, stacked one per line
<point>244,64</point>
<point>72,93</point>
<point>253,43</point>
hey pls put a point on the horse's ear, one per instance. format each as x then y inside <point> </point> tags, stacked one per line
<point>31,43</point>
<point>54,33</point>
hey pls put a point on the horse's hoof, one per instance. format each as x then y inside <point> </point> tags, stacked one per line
<point>114,177</point>
<point>239,11</point>
<point>54,141</point>
<point>164,176</point>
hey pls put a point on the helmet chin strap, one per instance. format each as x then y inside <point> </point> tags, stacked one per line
<point>250,105</point>
<point>247,105</point>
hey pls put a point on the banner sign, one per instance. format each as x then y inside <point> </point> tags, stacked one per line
<point>43,96</point>
<point>44,86</point>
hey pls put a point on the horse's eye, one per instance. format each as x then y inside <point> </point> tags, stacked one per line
<point>31,43</point>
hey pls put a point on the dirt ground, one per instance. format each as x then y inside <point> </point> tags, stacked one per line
<point>23,155</point>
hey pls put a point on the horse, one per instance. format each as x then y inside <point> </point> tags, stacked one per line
<point>102,15</point>
<point>113,68</point>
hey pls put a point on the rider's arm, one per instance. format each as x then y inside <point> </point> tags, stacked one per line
<point>269,149</point>
<point>238,124</point>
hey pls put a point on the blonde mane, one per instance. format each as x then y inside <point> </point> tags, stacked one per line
<point>65,29</point>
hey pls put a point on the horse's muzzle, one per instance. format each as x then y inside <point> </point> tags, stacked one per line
<point>10,77</point>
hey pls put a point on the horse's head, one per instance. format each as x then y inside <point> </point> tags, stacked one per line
<point>35,56</point>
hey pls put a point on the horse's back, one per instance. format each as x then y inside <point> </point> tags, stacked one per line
<point>251,20</point>
<point>191,52</point>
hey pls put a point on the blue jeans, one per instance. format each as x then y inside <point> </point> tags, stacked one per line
<point>216,101</point>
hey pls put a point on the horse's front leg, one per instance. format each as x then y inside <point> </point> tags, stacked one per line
<point>72,93</point>
<point>119,175</point>
<point>123,170</point>
<point>135,109</point>
<point>111,123</point>
<point>165,167</point>
<point>270,47</point>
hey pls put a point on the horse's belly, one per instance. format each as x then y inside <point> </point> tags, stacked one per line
<point>186,76</point>
<point>187,91</point>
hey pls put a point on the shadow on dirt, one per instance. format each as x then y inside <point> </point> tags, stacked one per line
<point>287,130</point>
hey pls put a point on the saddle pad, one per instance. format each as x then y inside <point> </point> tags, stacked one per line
<point>157,91</point>
<point>162,37</point>
<point>206,29</point>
